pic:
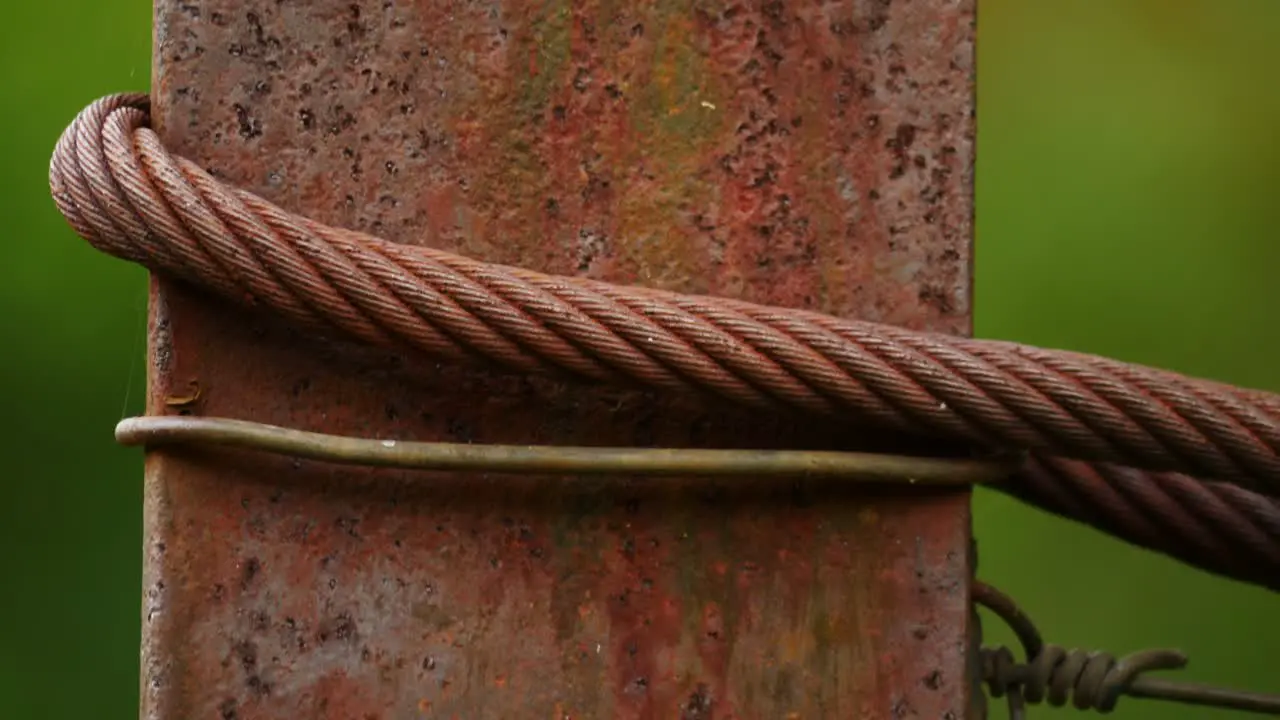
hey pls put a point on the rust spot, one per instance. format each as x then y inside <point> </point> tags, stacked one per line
<point>933,680</point>
<point>187,400</point>
<point>698,706</point>
<point>251,568</point>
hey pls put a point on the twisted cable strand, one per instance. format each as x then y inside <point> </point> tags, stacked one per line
<point>1216,527</point>
<point>122,191</point>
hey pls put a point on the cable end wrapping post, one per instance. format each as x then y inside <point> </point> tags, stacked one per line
<point>1185,468</point>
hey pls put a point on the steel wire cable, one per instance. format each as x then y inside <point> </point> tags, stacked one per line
<point>1216,527</point>
<point>1118,445</point>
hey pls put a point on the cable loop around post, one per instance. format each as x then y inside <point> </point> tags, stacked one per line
<point>120,188</point>
<point>1185,466</point>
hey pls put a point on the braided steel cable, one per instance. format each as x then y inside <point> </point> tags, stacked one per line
<point>122,191</point>
<point>1217,527</point>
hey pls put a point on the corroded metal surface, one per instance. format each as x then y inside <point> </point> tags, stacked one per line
<point>796,154</point>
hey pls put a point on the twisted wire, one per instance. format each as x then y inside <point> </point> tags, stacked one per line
<point>1089,680</point>
<point>122,191</point>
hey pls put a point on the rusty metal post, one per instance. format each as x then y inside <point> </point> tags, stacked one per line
<point>786,152</point>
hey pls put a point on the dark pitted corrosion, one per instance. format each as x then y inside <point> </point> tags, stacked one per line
<point>783,153</point>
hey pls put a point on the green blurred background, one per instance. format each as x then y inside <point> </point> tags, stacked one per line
<point>1128,162</point>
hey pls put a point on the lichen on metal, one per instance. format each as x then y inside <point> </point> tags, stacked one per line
<point>815,156</point>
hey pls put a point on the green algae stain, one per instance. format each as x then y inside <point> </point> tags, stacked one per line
<point>538,68</point>
<point>677,118</point>
<point>823,632</point>
<point>546,44</point>
<point>510,109</point>
<point>670,111</point>
<point>829,198</point>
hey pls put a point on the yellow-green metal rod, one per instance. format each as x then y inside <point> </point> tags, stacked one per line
<point>183,430</point>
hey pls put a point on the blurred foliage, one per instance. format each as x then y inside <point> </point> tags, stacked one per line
<point>72,325</point>
<point>1128,163</point>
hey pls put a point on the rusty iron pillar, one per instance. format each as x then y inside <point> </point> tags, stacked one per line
<point>804,154</point>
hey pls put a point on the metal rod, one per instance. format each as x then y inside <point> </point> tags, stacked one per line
<point>1205,695</point>
<point>182,430</point>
